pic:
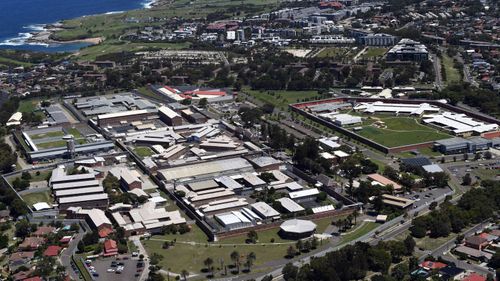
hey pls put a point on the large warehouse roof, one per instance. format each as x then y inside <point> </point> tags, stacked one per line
<point>207,168</point>
<point>76,184</point>
<point>83,198</point>
<point>121,114</point>
<point>290,205</point>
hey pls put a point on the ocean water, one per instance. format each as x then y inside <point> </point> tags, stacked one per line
<point>18,18</point>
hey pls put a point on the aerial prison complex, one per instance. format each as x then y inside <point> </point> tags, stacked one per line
<point>201,164</point>
<point>360,118</point>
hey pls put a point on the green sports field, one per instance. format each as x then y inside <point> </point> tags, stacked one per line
<point>399,131</point>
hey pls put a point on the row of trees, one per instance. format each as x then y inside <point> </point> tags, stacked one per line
<point>354,261</point>
<point>238,261</point>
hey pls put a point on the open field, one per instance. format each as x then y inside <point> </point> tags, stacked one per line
<point>148,93</point>
<point>76,134</point>
<point>52,144</point>
<point>28,105</point>
<point>143,151</point>
<point>35,197</point>
<point>452,74</point>
<point>282,98</point>
<point>374,52</point>
<point>399,131</point>
<point>186,255</point>
<point>11,62</point>
<point>47,135</point>
<point>358,232</point>
<point>113,46</point>
<point>484,174</point>
<point>334,52</point>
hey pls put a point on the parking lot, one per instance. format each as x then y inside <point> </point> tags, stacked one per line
<point>425,196</point>
<point>106,269</point>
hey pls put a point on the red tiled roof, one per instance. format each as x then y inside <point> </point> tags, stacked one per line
<point>21,275</point>
<point>335,5</point>
<point>433,264</point>
<point>206,93</point>
<point>52,251</point>
<point>110,245</point>
<point>65,239</point>
<point>474,277</point>
<point>43,230</point>
<point>383,180</point>
<point>110,248</point>
<point>35,278</point>
<point>32,242</point>
<point>21,255</point>
<point>104,232</point>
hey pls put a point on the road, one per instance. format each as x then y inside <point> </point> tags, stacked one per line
<point>71,249</point>
<point>20,161</point>
<point>142,251</point>
<point>467,75</point>
<point>437,70</point>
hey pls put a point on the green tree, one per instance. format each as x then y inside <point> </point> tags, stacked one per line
<point>208,262</point>
<point>289,271</point>
<point>235,257</point>
<point>251,257</point>
<point>252,236</point>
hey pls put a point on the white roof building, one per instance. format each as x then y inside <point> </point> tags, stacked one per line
<point>290,205</point>
<point>303,193</point>
<point>458,123</point>
<point>298,226</point>
<point>346,119</point>
<point>15,119</point>
<point>265,211</point>
<point>41,206</point>
<point>412,109</point>
<point>168,112</point>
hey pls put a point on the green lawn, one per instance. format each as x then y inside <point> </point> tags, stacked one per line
<point>374,52</point>
<point>47,135</point>
<point>143,151</point>
<point>81,267</point>
<point>282,98</point>
<point>358,232</point>
<point>484,174</point>
<point>28,105</point>
<point>52,144</point>
<point>333,52</point>
<point>429,152</point>
<point>12,62</point>
<point>401,131</point>
<point>195,235</point>
<point>36,197</point>
<point>74,131</point>
<point>428,243</point>
<point>452,74</point>
<point>190,257</point>
<point>148,93</point>
<point>108,47</point>
<point>41,177</point>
